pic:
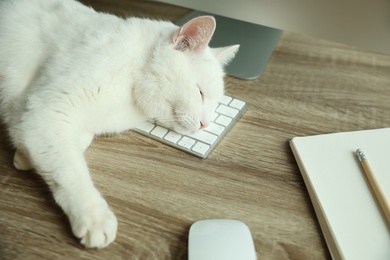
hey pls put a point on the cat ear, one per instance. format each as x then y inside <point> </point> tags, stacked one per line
<point>195,35</point>
<point>225,54</point>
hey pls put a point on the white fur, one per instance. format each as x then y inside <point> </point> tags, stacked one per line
<point>68,73</point>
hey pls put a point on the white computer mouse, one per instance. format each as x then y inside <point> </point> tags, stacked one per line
<point>220,239</point>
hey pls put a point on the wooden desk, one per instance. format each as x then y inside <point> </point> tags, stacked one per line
<point>310,87</point>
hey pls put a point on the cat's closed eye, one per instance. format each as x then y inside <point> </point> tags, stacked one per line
<point>201,93</point>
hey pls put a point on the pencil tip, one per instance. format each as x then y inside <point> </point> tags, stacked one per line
<point>360,155</point>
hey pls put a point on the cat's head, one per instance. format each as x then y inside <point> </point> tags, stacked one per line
<point>184,77</point>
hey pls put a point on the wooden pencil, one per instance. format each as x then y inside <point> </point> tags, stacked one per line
<point>375,187</point>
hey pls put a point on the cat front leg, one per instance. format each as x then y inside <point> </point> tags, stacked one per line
<point>91,219</point>
<point>59,159</point>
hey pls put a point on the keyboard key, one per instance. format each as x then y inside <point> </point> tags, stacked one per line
<point>237,104</point>
<point>229,111</point>
<point>186,142</point>
<point>204,136</point>
<point>172,137</point>
<point>215,128</point>
<point>225,100</point>
<point>201,148</point>
<point>146,127</point>
<point>223,120</point>
<point>159,131</point>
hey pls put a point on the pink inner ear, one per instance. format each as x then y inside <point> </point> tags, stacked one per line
<point>195,35</point>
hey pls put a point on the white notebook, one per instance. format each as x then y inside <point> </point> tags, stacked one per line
<point>349,216</point>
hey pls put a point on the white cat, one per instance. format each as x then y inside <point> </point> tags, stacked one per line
<point>68,73</point>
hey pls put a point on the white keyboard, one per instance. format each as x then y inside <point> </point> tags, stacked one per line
<point>202,142</point>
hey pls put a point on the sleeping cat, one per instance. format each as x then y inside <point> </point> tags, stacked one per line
<point>68,73</point>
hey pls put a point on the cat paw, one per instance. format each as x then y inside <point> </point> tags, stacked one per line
<point>96,228</point>
<point>21,162</point>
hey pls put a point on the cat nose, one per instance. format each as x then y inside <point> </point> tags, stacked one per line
<point>203,124</point>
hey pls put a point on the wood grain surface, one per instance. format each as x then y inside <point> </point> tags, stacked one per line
<point>310,86</point>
